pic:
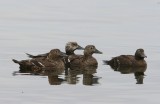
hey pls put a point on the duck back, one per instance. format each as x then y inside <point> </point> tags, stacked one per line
<point>126,60</point>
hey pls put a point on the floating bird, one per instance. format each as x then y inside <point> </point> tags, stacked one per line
<point>36,65</point>
<point>69,48</point>
<point>136,60</point>
<point>85,60</point>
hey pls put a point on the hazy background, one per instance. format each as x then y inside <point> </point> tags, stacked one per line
<point>115,27</point>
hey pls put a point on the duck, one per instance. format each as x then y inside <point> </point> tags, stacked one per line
<point>85,60</point>
<point>70,47</point>
<point>136,60</point>
<point>38,65</point>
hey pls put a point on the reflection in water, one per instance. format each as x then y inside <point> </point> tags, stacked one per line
<point>139,77</point>
<point>87,72</point>
<point>138,72</point>
<point>55,80</point>
<point>72,75</point>
<point>53,76</point>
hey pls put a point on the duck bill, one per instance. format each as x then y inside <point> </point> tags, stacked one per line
<point>80,48</point>
<point>143,55</point>
<point>97,51</point>
<point>63,54</point>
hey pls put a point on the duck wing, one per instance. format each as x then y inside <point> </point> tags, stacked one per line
<point>123,60</point>
<point>75,59</point>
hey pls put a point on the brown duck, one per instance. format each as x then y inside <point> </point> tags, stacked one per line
<point>69,48</point>
<point>136,60</point>
<point>37,65</point>
<point>85,60</point>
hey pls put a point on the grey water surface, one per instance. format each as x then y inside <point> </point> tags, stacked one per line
<point>115,27</point>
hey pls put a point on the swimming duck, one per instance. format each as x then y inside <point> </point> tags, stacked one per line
<point>136,60</point>
<point>69,48</point>
<point>37,65</point>
<point>85,60</point>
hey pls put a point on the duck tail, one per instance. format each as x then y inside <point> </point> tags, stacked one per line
<point>15,61</point>
<point>37,56</point>
<point>30,56</point>
<point>106,62</point>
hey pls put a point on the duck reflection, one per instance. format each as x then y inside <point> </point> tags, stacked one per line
<point>72,77</point>
<point>87,73</point>
<point>88,77</point>
<point>139,77</point>
<point>53,76</point>
<point>138,72</point>
<point>55,80</point>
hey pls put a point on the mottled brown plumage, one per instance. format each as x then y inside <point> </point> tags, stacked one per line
<point>69,48</point>
<point>37,65</point>
<point>129,60</point>
<point>85,60</point>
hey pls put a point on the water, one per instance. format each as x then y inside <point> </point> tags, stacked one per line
<point>114,27</point>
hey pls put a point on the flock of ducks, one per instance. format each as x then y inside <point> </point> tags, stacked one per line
<point>55,60</point>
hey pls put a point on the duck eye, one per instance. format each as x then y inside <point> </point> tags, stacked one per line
<point>74,44</point>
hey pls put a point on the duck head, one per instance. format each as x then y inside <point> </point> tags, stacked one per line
<point>90,49</point>
<point>140,54</point>
<point>55,53</point>
<point>71,47</point>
